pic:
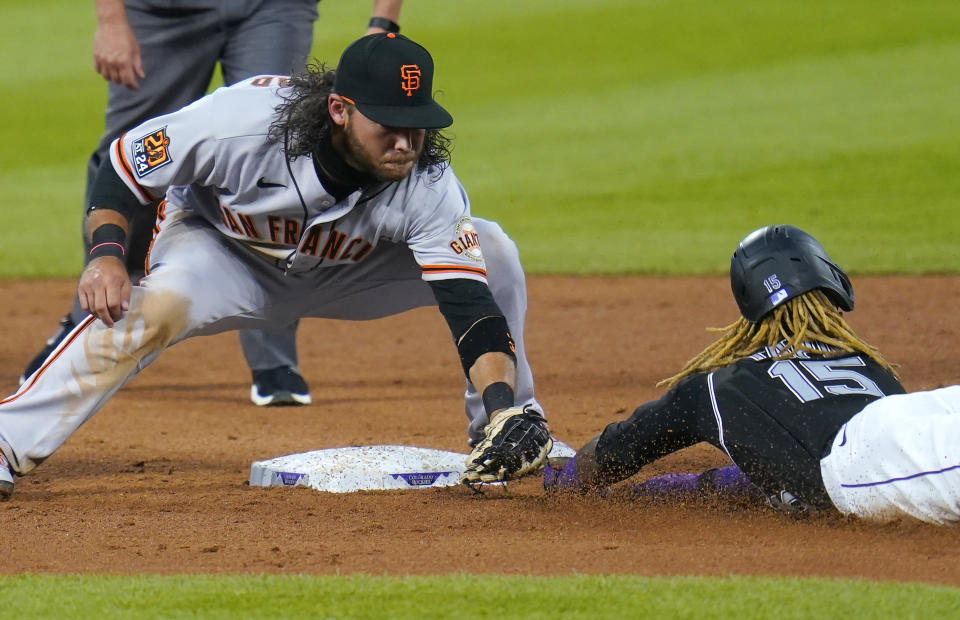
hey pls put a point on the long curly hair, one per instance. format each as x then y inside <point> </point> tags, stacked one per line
<point>809,322</point>
<point>303,123</point>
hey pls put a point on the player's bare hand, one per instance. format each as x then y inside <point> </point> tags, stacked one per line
<point>116,53</point>
<point>104,289</point>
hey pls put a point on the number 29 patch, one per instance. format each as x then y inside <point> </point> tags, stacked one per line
<point>151,152</point>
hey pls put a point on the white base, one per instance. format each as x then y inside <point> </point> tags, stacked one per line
<point>561,449</point>
<point>358,468</point>
<point>368,468</point>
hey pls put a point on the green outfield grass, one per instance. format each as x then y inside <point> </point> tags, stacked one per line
<point>460,596</point>
<point>607,137</point>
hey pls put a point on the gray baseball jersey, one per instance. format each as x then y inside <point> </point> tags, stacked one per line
<point>223,168</point>
<point>244,238</point>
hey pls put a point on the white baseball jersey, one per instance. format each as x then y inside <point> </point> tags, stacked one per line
<point>222,167</point>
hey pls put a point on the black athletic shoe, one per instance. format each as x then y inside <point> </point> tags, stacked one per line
<point>279,386</point>
<point>66,326</point>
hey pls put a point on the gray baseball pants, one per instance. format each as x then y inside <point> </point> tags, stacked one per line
<point>205,283</point>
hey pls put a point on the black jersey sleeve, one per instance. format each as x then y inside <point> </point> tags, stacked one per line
<point>655,429</point>
<point>109,192</point>
<point>463,302</point>
<point>476,322</point>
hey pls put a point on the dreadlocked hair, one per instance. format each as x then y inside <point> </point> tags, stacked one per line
<point>808,322</point>
<point>303,123</point>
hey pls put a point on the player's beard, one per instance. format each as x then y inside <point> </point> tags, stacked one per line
<point>388,167</point>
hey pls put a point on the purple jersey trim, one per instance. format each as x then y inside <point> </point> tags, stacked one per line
<point>910,477</point>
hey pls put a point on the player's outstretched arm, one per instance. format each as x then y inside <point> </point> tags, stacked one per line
<point>579,473</point>
<point>654,429</point>
<point>494,367</point>
<point>516,439</point>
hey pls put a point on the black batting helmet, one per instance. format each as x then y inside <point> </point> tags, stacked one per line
<point>777,263</point>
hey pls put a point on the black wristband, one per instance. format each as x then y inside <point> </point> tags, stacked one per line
<point>382,22</point>
<point>107,240</point>
<point>488,335</point>
<point>497,396</point>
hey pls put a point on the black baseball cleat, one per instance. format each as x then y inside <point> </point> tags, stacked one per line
<point>278,387</point>
<point>66,326</point>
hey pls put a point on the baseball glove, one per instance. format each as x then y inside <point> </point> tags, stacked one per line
<point>515,443</point>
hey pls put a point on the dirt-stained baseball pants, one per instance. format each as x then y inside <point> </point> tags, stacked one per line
<point>204,283</point>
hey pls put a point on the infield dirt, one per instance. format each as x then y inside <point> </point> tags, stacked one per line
<point>156,482</point>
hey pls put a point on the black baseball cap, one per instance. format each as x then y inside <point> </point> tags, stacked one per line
<point>390,79</point>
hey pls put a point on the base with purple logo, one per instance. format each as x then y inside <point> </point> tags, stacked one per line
<point>360,468</point>
<point>368,468</point>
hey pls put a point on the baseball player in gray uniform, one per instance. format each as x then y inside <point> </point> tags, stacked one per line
<point>813,417</point>
<point>328,194</point>
<point>159,55</point>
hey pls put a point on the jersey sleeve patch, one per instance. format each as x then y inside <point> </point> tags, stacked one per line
<point>151,152</point>
<point>466,242</point>
<point>125,171</point>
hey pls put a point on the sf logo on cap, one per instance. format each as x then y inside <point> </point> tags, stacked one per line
<point>410,78</point>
